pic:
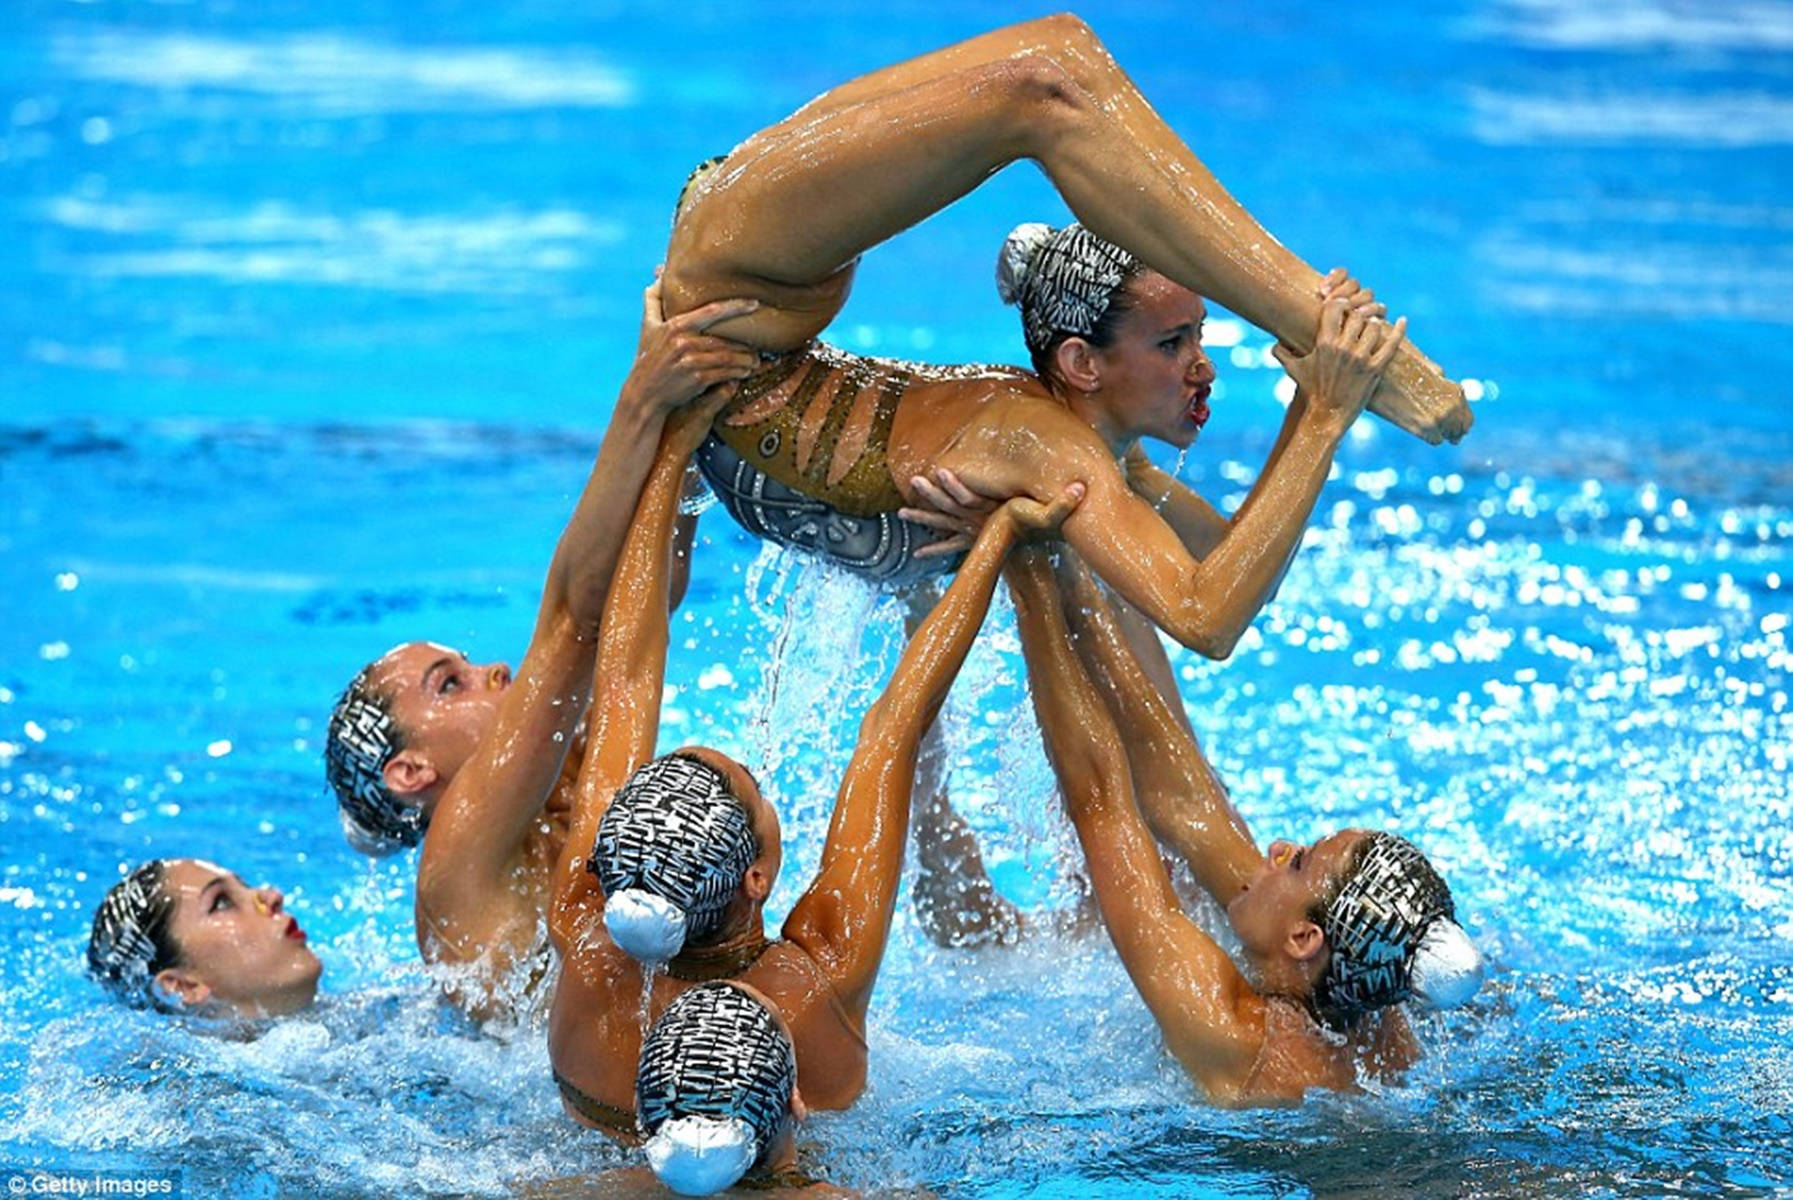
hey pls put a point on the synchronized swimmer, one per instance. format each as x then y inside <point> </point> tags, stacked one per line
<point>564,867</point>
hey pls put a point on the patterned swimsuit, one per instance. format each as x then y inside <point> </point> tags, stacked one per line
<point>792,494</point>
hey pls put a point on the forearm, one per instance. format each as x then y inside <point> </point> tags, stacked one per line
<point>631,659</point>
<point>1235,581</point>
<point>585,560</point>
<point>1181,798</point>
<point>843,920</point>
<point>890,733</point>
<point>1292,418</point>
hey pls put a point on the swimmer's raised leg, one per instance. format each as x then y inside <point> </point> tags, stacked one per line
<point>796,204</point>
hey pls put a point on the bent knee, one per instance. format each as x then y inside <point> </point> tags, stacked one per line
<point>1069,30</point>
<point>1071,55</point>
<point>1042,96</point>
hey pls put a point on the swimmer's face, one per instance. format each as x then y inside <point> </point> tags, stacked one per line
<point>1277,905</point>
<point>239,950</point>
<point>1155,376</point>
<point>444,705</point>
<point>745,788</point>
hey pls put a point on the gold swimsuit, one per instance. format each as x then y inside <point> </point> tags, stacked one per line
<point>786,491</point>
<point>772,441</point>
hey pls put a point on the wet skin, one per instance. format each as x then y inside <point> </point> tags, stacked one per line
<point>240,950</point>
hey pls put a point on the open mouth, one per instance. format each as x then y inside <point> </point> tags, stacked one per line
<point>293,931</point>
<point>1198,408</point>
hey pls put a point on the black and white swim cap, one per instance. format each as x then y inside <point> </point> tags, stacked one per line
<point>1393,933</point>
<point>361,740</point>
<point>1062,280</point>
<point>670,853</point>
<point>713,1087</point>
<point>129,944</point>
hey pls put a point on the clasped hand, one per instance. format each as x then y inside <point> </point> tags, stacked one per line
<point>1353,348</point>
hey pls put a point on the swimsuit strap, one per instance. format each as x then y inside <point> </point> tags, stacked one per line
<point>703,964</point>
<point>618,1123</point>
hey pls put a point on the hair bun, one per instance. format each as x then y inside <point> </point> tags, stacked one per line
<point>1447,968</point>
<point>1016,258</point>
<point>696,1156</point>
<point>650,928</point>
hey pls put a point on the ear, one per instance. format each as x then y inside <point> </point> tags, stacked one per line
<point>182,986</point>
<point>799,1110</point>
<point>1077,365</point>
<point>1305,941</point>
<point>408,773</point>
<point>757,883</point>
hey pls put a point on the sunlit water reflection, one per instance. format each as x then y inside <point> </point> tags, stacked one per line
<point>310,327</point>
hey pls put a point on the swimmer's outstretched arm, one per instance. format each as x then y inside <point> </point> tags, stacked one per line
<point>676,360</point>
<point>1181,798</point>
<point>1207,604</point>
<point>1198,524</point>
<point>798,203</point>
<point>1211,1017</point>
<point>496,799</point>
<point>843,920</point>
<point>631,665</point>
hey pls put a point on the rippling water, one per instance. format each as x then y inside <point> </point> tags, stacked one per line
<point>309,322</point>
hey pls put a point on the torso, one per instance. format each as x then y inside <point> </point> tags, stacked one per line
<point>1298,1054</point>
<point>498,957</point>
<point>846,428</point>
<point>595,1030</point>
<point>811,451</point>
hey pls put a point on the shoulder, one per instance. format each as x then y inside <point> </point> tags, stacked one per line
<point>465,908</point>
<point>1023,422</point>
<point>798,979</point>
<point>1295,1055</point>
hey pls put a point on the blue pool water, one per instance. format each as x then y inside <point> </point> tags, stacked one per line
<point>310,316</point>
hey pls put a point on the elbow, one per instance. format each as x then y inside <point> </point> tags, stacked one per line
<point>887,720</point>
<point>1205,628</point>
<point>582,610</point>
<point>1095,781</point>
<point>1217,647</point>
<point>1209,641</point>
<point>585,628</point>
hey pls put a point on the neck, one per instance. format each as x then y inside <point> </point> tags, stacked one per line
<point>1284,978</point>
<point>719,960</point>
<point>1090,409</point>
